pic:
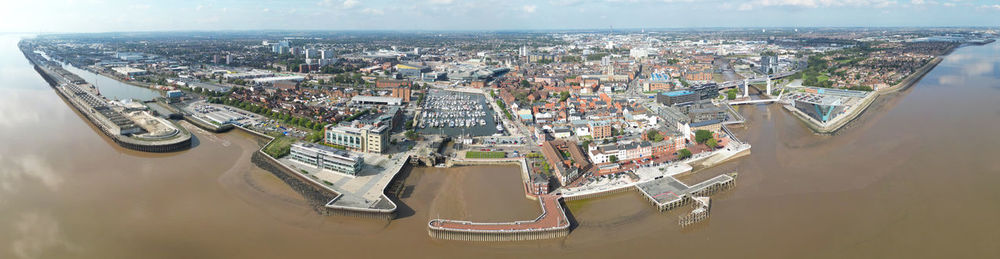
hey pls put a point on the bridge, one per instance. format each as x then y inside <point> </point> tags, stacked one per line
<point>776,99</point>
<point>731,84</point>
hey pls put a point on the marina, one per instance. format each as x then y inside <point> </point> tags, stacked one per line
<point>455,113</point>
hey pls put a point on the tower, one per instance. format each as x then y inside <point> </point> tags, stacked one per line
<point>746,88</point>
<point>768,85</point>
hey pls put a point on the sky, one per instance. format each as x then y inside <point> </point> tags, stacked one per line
<point>209,15</point>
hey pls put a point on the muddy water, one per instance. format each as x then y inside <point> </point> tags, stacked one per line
<point>915,176</point>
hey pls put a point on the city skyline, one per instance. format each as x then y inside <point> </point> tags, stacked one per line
<point>123,15</point>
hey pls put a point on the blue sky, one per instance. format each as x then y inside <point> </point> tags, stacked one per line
<point>137,15</point>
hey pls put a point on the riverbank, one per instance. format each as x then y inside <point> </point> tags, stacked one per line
<point>831,127</point>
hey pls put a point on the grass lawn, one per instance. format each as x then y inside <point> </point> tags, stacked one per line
<point>485,154</point>
<point>280,147</point>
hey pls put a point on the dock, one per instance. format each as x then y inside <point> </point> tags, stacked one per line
<point>126,126</point>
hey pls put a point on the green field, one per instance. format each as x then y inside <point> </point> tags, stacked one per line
<point>485,154</point>
<point>280,147</point>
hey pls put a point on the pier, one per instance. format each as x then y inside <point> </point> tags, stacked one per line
<point>667,193</point>
<point>553,223</point>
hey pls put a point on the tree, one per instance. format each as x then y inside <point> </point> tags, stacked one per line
<point>701,136</point>
<point>613,159</point>
<point>712,143</point>
<point>731,94</point>
<point>653,135</point>
<point>563,96</point>
<point>683,153</point>
<point>412,135</point>
<point>525,83</point>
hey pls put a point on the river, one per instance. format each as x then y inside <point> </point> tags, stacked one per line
<point>915,176</point>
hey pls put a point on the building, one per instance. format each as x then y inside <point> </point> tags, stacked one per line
<point>768,64</point>
<point>611,153</point>
<point>677,97</point>
<point>705,110</point>
<point>367,138</point>
<point>600,129</point>
<point>402,93</point>
<point>823,108</point>
<point>412,71</point>
<point>566,169</point>
<point>390,83</point>
<point>696,93</point>
<point>326,54</point>
<point>539,184</point>
<point>362,99</point>
<point>128,71</point>
<point>326,158</point>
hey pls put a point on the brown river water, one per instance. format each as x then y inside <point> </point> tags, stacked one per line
<point>915,176</point>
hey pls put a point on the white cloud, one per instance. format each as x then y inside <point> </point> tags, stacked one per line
<point>529,8</point>
<point>441,2</point>
<point>351,3</point>
<point>199,7</point>
<point>372,11</point>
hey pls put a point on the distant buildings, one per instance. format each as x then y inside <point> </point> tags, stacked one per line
<point>411,70</point>
<point>362,99</point>
<point>128,71</point>
<point>327,158</point>
<point>768,64</point>
<point>281,47</point>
